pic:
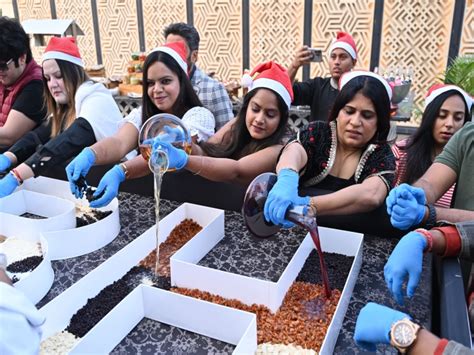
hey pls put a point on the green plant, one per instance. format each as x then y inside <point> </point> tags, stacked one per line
<point>461,73</point>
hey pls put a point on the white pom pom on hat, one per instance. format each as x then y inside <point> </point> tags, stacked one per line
<point>270,75</point>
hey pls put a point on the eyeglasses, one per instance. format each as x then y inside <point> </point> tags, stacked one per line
<point>4,66</point>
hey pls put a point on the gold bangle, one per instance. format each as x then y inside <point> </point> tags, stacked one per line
<point>125,170</point>
<point>200,169</point>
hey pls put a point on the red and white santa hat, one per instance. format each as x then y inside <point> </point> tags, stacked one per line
<point>178,51</point>
<point>344,41</point>
<point>63,48</point>
<point>439,89</point>
<point>346,77</point>
<point>270,75</point>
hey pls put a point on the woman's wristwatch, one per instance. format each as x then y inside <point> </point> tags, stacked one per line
<point>403,334</point>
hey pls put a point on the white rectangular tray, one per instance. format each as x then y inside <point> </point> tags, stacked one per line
<point>170,308</point>
<point>59,311</point>
<point>186,273</point>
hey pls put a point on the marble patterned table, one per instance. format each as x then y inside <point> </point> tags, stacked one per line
<point>137,215</point>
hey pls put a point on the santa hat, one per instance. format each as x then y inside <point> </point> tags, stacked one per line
<point>63,48</point>
<point>270,75</point>
<point>346,77</point>
<point>344,41</point>
<point>178,51</point>
<point>439,89</point>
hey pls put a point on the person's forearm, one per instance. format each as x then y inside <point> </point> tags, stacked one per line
<point>352,199</point>
<point>293,157</point>
<point>24,171</point>
<point>425,343</point>
<point>12,158</point>
<point>439,242</point>
<point>110,150</point>
<point>453,215</point>
<point>292,70</point>
<point>137,167</point>
<point>216,169</point>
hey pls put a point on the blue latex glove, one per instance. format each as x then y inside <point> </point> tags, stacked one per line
<point>403,189</point>
<point>283,195</point>
<point>5,163</point>
<point>80,166</point>
<point>8,184</point>
<point>407,212</point>
<point>373,325</point>
<point>405,260</point>
<point>177,158</point>
<point>108,185</point>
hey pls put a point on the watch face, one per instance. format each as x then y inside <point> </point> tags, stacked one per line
<point>403,334</point>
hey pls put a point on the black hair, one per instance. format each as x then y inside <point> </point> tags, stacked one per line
<point>187,97</point>
<point>375,91</point>
<point>14,42</point>
<point>188,32</point>
<point>420,146</point>
<point>238,142</point>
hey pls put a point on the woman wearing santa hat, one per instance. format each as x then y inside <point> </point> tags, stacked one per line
<point>80,112</point>
<point>348,156</point>
<point>447,108</point>
<point>168,90</point>
<point>248,145</point>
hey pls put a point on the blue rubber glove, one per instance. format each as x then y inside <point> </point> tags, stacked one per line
<point>5,163</point>
<point>283,195</point>
<point>177,158</point>
<point>407,212</point>
<point>405,261</point>
<point>403,189</point>
<point>373,325</point>
<point>8,184</point>
<point>80,166</point>
<point>108,185</point>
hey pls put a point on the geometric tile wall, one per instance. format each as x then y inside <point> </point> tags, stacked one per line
<point>220,27</point>
<point>157,15</point>
<point>351,16</point>
<point>276,30</point>
<point>467,37</point>
<point>416,34</point>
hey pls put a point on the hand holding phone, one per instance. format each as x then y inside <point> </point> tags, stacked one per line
<point>316,55</point>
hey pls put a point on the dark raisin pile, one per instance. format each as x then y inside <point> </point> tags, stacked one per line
<point>96,308</point>
<point>338,266</point>
<point>25,265</point>
<point>91,217</point>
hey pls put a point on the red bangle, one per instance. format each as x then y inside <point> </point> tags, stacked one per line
<point>441,346</point>
<point>17,176</point>
<point>452,239</point>
<point>429,239</point>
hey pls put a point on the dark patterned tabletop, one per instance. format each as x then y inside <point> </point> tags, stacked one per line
<point>137,215</point>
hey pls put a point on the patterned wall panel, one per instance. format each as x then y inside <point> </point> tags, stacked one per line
<point>81,12</point>
<point>416,34</point>
<point>467,38</point>
<point>219,23</point>
<point>157,15</point>
<point>118,33</point>
<point>35,9</point>
<point>276,30</point>
<point>352,16</point>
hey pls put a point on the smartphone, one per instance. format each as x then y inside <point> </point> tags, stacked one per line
<point>316,55</point>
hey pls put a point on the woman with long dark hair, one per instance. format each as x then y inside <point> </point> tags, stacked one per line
<point>248,145</point>
<point>166,89</point>
<point>447,108</point>
<point>348,156</point>
<point>80,113</point>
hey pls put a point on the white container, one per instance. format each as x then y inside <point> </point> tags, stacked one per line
<point>38,282</point>
<point>65,240</point>
<point>173,309</point>
<point>60,310</point>
<point>59,214</point>
<point>186,273</point>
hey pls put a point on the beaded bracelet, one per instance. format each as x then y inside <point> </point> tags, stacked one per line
<point>17,176</point>
<point>429,239</point>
